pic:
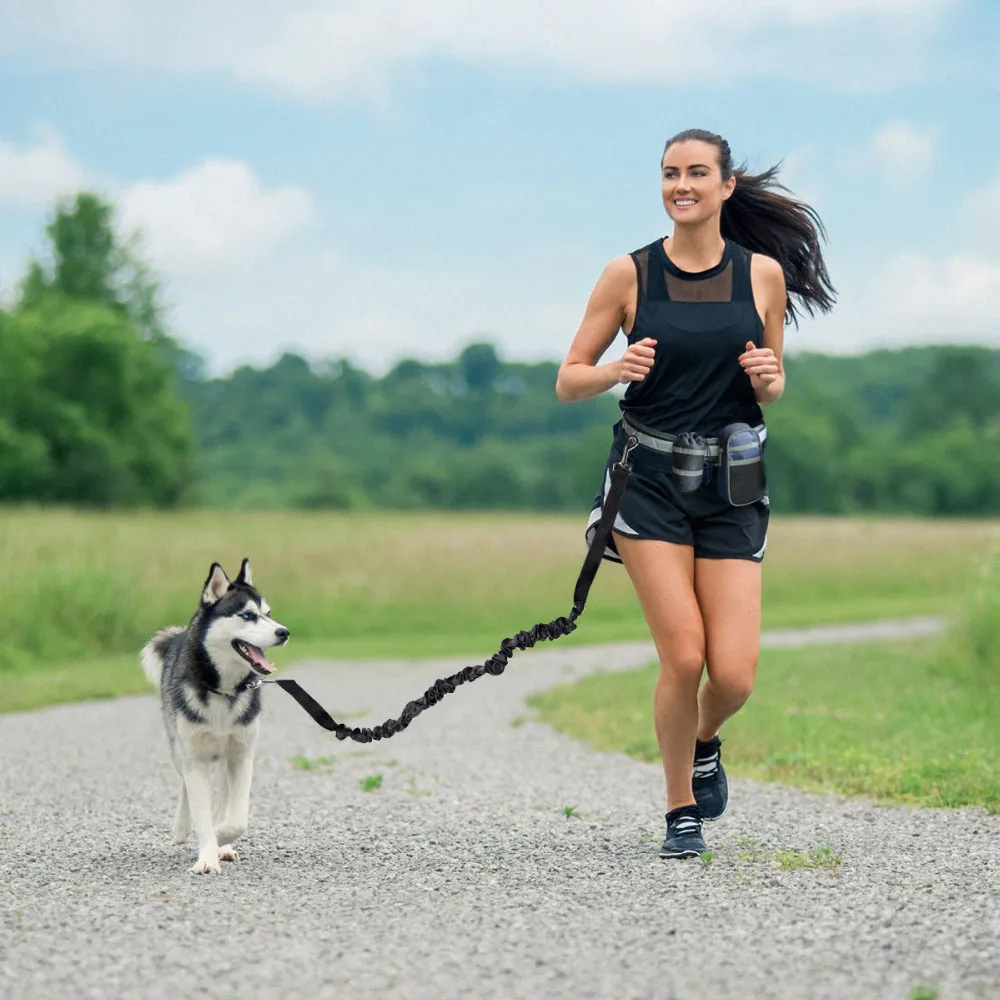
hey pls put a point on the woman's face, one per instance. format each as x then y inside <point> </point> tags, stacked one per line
<point>693,188</point>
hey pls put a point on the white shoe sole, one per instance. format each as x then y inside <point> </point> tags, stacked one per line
<point>688,853</point>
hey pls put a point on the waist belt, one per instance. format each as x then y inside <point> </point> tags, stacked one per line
<point>665,442</point>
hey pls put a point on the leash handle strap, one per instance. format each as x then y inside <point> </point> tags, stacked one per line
<point>495,664</point>
<point>619,479</point>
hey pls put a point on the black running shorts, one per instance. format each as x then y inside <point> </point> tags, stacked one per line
<point>653,508</point>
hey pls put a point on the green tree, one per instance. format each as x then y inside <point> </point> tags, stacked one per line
<point>962,385</point>
<point>479,365</point>
<point>89,408</point>
<point>89,262</point>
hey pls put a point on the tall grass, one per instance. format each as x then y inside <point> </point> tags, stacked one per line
<point>977,631</point>
<point>80,585</point>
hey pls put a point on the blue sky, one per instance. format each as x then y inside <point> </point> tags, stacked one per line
<point>392,179</point>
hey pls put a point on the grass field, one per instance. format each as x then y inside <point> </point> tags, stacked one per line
<point>908,722</point>
<point>82,592</point>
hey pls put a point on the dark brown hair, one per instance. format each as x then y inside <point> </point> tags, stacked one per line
<point>757,217</point>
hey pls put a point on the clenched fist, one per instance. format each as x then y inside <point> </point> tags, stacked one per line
<point>760,364</point>
<point>637,360</point>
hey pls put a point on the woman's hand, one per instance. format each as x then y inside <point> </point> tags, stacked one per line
<point>635,363</point>
<point>761,364</point>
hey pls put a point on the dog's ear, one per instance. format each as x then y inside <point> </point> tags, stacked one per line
<point>245,576</point>
<point>216,585</point>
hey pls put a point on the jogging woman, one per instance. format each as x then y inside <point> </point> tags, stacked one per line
<point>704,312</point>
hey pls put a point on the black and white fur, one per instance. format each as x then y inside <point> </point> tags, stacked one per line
<point>208,674</point>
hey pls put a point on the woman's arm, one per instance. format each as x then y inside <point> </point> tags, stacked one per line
<point>764,364</point>
<point>608,309</point>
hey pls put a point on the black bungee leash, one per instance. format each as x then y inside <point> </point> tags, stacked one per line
<point>495,664</point>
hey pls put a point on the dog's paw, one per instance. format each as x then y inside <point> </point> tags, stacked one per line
<point>229,832</point>
<point>228,854</point>
<point>207,864</point>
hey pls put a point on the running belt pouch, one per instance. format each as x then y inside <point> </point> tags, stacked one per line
<point>741,466</point>
<point>689,454</point>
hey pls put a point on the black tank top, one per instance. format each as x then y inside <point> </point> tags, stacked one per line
<point>701,322</point>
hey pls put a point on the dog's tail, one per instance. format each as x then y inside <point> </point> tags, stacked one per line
<point>154,653</point>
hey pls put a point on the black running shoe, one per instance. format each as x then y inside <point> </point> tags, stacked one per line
<point>684,838</point>
<point>711,789</point>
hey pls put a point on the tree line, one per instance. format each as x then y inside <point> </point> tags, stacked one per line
<point>101,405</point>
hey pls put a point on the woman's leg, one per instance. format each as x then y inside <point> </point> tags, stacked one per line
<point>728,593</point>
<point>663,575</point>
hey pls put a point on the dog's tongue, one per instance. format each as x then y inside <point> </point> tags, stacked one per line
<point>259,660</point>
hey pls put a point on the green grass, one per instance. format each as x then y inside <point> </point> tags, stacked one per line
<point>36,685</point>
<point>83,591</point>
<point>901,722</point>
<point>371,783</point>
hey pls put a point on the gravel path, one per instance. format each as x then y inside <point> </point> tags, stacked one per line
<point>461,876</point>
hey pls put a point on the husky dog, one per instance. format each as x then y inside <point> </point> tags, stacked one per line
<point>207,674</point>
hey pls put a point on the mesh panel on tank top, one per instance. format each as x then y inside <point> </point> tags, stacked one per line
<point>718,288</point>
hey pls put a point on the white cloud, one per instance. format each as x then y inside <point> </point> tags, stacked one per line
<point>949,293</point>
<point>214,215</point>
<point>957,307</point>
<point>956,297</point>
<point>903,151</point>
<point>32,176</point>
<point>326,50</point>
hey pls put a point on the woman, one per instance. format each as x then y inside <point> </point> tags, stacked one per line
<point>704,312</point>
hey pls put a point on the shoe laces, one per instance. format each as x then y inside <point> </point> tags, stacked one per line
<point>688,821</point>
<point>706,768</point>
<point>685,824</point>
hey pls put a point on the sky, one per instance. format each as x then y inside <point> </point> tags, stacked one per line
<point>388,179</point>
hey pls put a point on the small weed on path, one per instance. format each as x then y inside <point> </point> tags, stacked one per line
<point>301,763</point>
<point>751,851</point>
<point>372,783</point>
<point>819,857</point>
<point>786,858</point>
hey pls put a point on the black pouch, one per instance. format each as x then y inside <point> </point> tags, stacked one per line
<point>741,465</point>
<point>690,452</point>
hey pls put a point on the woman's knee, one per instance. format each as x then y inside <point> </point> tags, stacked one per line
<point>684,664</point>
<point>735,684</point>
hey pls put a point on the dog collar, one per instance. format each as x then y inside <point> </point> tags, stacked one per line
<point>249,683</point>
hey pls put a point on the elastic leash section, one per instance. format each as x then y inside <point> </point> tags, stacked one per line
<point>496,664</point>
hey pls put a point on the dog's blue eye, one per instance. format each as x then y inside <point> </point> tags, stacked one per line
<point>248,616</point>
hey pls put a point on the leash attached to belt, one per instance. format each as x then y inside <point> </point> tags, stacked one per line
<point>495,664</point>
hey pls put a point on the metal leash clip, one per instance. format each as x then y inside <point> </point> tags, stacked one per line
<point>630,445</point>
